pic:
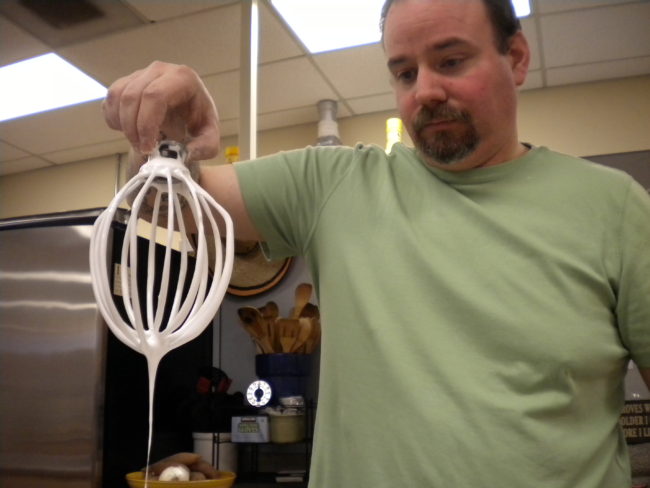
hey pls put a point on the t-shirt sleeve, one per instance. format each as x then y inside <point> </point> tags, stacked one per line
<point>633,305</point>
<point>284,194</point>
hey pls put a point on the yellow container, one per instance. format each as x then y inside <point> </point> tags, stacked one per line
<point>226,480</point>
<point>394,129</point>
<point>287,428</point>
<point>232,154</point>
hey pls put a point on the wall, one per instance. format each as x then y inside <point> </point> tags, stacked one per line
<point>86,184</point>
<point>589,119</point>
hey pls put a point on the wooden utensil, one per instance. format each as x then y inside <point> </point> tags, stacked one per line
<point>272,310</point>
<point>288,332</point>
<point>314,337</point>
<point>270,314</point>
<point>303,294</point>
<point>252,320</point>
<point>310,311</point>
<point>304,332</point>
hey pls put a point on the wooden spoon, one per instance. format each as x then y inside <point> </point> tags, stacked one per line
<point>270,314</point>
<point>272,310</point>
<point>288,332</point>
<point>303,294</point>
<point>304,332</point>
<point>314,337</point>
<point>252,321</point>
<point>310,311</point>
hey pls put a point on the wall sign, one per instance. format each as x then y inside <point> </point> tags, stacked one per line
<point>635,421</point>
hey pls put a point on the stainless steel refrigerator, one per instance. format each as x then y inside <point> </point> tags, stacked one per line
<point>73,399</point>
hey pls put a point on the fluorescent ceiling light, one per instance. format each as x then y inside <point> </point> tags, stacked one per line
<point>326,25</point>
<point>44,83</point>
<point>522,7</point>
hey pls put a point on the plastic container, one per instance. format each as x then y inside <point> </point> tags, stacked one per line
<point>217,449</point>
<point>287,428</point>
<point>287,374</point>
<point>136,480</point>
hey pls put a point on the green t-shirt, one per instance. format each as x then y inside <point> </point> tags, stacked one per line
<point>476,325</point>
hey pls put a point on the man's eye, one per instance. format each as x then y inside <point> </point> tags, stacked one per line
<point>451,63</point>
<point>405,76</point>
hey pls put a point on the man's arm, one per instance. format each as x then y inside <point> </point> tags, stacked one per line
<point>221,182</point>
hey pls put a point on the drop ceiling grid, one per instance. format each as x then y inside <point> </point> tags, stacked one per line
<point>57,130</point>
<point>608,70</point>
<point>290,84</point>
<point>23,164</point>
<point>205,34</point>
<point>158,10</point>
<point>596,35</point>
<point>16,44</point>
<point>208,41</point>
<point>356,72</point>
<point>552,6</point>
<point>529,28</point>
<point>192,40</point>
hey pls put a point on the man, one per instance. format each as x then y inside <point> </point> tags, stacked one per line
<point>480,297</point>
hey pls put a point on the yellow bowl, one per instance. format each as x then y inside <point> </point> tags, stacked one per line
<point>226,480</point>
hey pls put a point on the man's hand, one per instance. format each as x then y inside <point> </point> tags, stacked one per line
<point>164,98</point>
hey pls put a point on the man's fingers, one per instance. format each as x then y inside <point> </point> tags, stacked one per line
<point>164,98</point>
<point>204,146</point>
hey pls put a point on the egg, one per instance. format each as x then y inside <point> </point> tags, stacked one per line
<point>177,472</point>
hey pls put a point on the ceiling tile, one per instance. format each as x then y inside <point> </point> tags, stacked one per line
<point>9,152</point>
<point>375,103</point>
<point>21,165</point>
<point>113,16</point>
<point>598,71</point>
<point>357,71</point>
<point>90,151</point>
<point>599,34</point>
<point>529,27</point>
<point>535,79</point>
<point>191,40</point>
<point>224,89</point>
<point>301,115</point>
<point>291,84</point>
<point>546,6</point>
<point>157,10</point>
<point>17,44</point>
<point>69,127</point>
<point>276,42</point>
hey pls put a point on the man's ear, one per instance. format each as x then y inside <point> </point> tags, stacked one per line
<point>519,56</point>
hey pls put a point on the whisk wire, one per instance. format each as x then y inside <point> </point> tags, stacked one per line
<point>159,327</point>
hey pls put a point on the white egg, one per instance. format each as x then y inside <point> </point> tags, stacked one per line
<point>177,472</point>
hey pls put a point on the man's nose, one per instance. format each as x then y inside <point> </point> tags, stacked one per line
<point>430,89</point>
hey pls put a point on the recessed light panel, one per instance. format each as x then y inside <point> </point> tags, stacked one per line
<point>44,83</point>
<point>332,24</point>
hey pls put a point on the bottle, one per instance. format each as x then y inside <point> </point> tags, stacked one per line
<point>394,129</point>
<point>328,129</point>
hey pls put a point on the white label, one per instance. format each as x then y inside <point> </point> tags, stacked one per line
<point>117,278</point>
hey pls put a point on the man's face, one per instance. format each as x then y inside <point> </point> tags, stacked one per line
<point>455,92</point>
